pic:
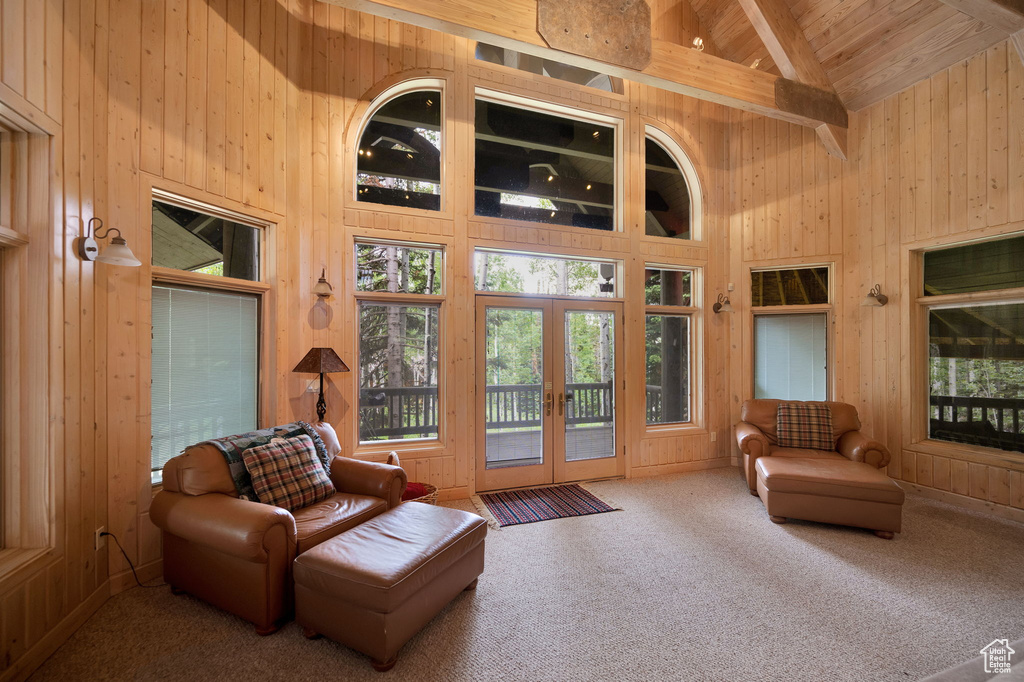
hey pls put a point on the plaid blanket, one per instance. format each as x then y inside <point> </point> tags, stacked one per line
<point>232,448</point>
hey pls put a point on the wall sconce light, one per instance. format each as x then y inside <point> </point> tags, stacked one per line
<point>323,288</point>
<point>698,44</point>
<point>875,298</point>
<point>117,253</point>
<point>722,305</point>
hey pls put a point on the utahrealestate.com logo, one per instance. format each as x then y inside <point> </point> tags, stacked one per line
<point>997,656</point>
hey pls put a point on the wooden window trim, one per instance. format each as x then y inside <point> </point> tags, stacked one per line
<point>577,113</point>
<point>696,423</point>
<point>424,447</point>
<point>31,309</point>
<point>693,184</point>
<point>916,436</point>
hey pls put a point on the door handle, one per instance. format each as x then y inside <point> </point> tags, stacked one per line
<point>561,403</point>
<point>548,404</point>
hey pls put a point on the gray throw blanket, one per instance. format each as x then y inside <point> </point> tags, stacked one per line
<point>232,448</point>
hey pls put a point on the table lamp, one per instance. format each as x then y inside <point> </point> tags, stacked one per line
<point>319,361</point>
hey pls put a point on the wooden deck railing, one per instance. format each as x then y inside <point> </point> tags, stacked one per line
<point>387,413</point>
<point>989,422</point>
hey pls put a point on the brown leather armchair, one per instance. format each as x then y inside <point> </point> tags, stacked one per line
<point>238,554</point>
<point>757,436</point>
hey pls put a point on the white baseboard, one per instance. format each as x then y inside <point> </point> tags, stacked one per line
<point>1000,510</point>
<point>51,641</point>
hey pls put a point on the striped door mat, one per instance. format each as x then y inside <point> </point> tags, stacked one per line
<point>514,507</point>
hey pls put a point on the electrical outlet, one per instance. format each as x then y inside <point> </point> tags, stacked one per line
<point>714,436</point>
<point>99,540</point>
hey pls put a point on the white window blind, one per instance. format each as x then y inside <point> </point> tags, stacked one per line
<point>205,363</point>
<point>790,356</point>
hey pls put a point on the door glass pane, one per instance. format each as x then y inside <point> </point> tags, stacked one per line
<point>790,356</point>
<point>589,377</point>
<point>513,387</point>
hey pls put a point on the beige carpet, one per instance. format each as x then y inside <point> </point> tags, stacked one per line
<point>690,582</point>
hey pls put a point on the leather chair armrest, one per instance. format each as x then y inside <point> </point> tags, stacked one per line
<point>369,478</point>
<point>753,443</point>
<point>221,522</point>
<point>751,440</point>
<point>857,447</point>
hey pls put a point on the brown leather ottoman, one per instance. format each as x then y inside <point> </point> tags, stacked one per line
<point>373,587</point>
<point>830,491</point>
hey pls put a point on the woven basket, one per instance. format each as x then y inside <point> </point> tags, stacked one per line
<point>430,497</point>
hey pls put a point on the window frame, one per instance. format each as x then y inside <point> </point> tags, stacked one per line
<point>574,113</point>
<point>616,262</point>
<point>916,436</point>
<point>403,87</point>
<point>695,313</point>
<point>693,184</point>
<point>32,246</point>
<point>793,309</point>
<point>183,279</point>
<point>359,298</point>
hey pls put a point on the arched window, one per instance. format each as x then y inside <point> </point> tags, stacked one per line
<point>398,160</point>
<point>673,201</point>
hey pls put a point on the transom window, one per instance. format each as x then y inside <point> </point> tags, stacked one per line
<point>525,273</point>
<point>793,286</point>
<point>398,161</point>
<point>187,239</point>
<point>547,67</point>
<point>543,167</point>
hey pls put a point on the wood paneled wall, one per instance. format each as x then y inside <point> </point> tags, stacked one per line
<point>253,106</point>
<point>938,163</point>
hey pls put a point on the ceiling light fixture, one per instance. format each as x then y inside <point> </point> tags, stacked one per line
<point>698,44</point>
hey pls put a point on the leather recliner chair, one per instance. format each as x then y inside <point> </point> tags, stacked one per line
<point>757,436</point>
<point>237,554</point>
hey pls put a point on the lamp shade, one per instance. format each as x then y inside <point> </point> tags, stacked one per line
<point>118,253</point>
<point>320,361</point>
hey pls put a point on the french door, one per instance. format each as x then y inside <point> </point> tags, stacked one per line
<point>547,391</point>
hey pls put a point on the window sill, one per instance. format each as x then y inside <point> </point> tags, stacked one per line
<point>17,563</point>
<point>673,430</point>
<point>969,453</point>
<point>379,451</point>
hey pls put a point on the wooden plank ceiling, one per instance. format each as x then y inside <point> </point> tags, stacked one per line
<point>870,49</point>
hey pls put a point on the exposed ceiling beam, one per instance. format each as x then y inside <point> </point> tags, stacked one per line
<point>512,24</point>
<point>1007,15</point>
<point>1018,41</point>
<point>781,34</point>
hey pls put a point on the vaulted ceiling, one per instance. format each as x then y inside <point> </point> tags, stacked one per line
<point>870,49</point>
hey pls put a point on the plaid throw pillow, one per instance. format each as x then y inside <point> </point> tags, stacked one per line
<point>287,473</point>
<point>805,425</point>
